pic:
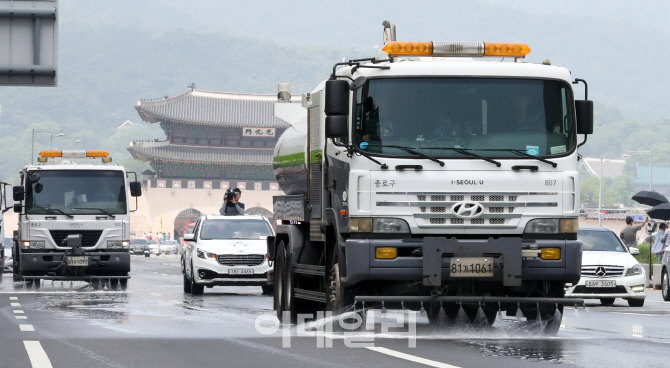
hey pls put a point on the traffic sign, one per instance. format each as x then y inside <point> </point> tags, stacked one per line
<point>638,218</point>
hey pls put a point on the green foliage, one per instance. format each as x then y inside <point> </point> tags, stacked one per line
<point>643,257</point>
<point>615,191</point>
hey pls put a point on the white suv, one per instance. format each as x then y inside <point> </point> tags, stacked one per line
<point>609,270</point>
<point>226,251</point>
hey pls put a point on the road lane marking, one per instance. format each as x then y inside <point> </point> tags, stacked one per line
<point>411,358</point>
<point>18,311</point>
<point>164,274</point>
<point>27,327</point>
<point>20,317</point>
<point>16,304</point>
<point>13,298</point>
<point>38,357</point>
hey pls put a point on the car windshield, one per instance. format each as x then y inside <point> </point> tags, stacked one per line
<point>77,192</point>
<point>235,229</point>
<point>138,242</point>
<point>605,241</point>
<point>492,117</point>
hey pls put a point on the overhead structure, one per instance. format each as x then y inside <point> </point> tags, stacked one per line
<point>29,43</point>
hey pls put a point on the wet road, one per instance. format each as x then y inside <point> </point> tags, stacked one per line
<point>154,324</point>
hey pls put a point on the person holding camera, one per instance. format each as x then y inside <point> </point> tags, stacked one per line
<point>232,205</point>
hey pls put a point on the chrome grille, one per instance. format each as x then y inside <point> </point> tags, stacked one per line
<point>496,221</point>
<point>437,221</point>
<point>457,197</point>
<point>438,198</point>
<point>512,198</point>
<point>423,209</point>
<point>457,221</point>
<point>241,259</point>
<point>511,209</point>
<point>610,271</point>
<point>496,198</point>
<point>477,221</point>
<point>438,209</point>
<point>421,197</point>
<point>477,197</point>
<point>496,209</point>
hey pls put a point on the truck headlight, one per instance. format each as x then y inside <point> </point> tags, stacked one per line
<point>552,226</point>
<point>37,244</point>
<point>377,225</point>
<point>114,244</point>
<point>635,270</point>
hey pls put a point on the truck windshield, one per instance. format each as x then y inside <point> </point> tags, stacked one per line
<point>77,192</point>
<point>435,115</point>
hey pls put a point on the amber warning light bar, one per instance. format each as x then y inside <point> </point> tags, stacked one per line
<point>456,49</point>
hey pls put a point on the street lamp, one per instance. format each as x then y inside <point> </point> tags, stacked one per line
<point>32,144</point>
<point>62,136</point>
<point>600,194</point>
<point>52,139</point>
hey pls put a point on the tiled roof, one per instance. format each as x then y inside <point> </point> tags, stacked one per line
<point>202,107</point>
<point>202,154</point>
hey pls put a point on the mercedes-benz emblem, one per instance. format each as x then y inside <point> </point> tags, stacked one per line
<point>466,209</point>
<point>601,271</point>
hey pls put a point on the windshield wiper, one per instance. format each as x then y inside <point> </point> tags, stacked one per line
<point>520,153</point>
<point>416,153</point>
<point>93,208</point>
<point>53,209</point>
<point>366,155</point>
<point>465,151</point>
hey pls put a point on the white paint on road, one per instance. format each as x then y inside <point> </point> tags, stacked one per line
<point>411,358</point>
<point>16,304</point>
<point>27,327</point>
<point>164,274</point>
<point>20,317</point>
<point>13,298</point>
<point>18,311</point>
<point>38,357</point>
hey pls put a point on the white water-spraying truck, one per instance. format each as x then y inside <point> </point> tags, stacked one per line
<point>442,178</point>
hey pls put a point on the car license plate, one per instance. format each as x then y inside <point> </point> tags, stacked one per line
<point>77,261</point>
<point>600,283</point>
<point>471,267</point>
<point>241,271</point>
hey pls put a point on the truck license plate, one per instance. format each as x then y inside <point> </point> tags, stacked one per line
<point>243,271</point>
<point>600,283</point>
<point>77,261</point>
<point>471,267</point>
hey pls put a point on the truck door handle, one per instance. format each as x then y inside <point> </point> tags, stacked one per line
<point>525,167</point>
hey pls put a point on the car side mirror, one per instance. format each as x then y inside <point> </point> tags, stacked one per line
<point>189,237</point>
<point>634,251</point>
<point>18,193</point>
<point>135,189</point>
<point>584,109</point>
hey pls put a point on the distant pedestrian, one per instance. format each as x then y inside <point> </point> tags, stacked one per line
<point>144,236</point>
<point>659,242</point>
<point>149,236</point>
<point>629,233</point>
<point>168,236</point>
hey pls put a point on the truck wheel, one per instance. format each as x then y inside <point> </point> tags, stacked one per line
<point>123,283</point>
<point>114,284</point>
<point>280,261</point>
<point>635,302</point>
<point>268,290</point>
<point>187,284</point>
<point>340,296</point>
<point>607,301</point>
<point>29,284</point>
<point>665,286</point>
<point>36,283</point>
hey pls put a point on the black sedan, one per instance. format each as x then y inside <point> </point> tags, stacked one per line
<point>140,247</point>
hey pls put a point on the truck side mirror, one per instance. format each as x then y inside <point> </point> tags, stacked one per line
<point>135,189</point>
<point>8,195</point>
<point>584,109</point>
<point>18,193</point>
<point>337,97</point>
<point>336,108</point>
<point>17,207</point>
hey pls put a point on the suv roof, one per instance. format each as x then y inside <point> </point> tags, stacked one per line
<point>234,218</point>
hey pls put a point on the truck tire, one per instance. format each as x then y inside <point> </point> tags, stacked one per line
<point>123,284</point>
<point>340,296</point>
<point>114,284</point>
<point>95,284</point>
<point>268,290</point>
<point>280,261</point>
<point>36,284</point>
<point>29,284</point>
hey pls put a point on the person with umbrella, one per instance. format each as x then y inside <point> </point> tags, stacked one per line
<point>629,233</point>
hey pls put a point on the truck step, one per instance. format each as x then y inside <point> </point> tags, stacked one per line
<point>316,296</point>
<point>307,269</point>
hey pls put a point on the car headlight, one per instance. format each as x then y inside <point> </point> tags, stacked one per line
<point>205,255</point>
<point>552,226</point>
<point>635,270</point>
<point>377,225</point>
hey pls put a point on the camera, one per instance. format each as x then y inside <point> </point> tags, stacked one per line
<point>229,195</point>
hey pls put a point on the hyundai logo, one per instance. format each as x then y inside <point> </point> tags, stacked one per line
<point>601,271</point>
<point>467,209</point>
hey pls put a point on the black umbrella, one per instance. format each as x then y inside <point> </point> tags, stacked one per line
<point>649,198</point>
<point>660,212</point>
